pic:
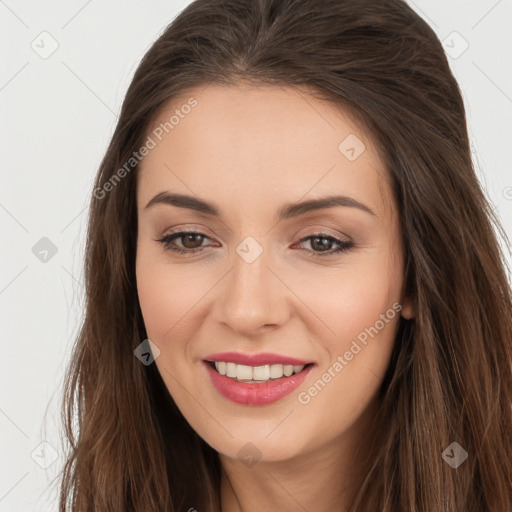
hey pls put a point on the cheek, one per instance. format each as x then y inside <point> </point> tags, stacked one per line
<point>362,308</point>
<point>166,292</point>
<point>350,299</point>
<point>158,304</point>
<point>359,307</point>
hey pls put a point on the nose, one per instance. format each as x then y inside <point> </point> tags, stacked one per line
<point>252,298</point>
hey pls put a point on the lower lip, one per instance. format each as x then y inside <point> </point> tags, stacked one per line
<point>256,394</point>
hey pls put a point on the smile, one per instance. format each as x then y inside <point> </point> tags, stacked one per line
<point>255,385</point>
<point>256,374</point>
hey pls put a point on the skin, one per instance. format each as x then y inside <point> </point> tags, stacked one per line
<point>251,150</point>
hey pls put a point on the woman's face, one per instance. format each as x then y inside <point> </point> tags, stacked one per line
<point>260,275</point>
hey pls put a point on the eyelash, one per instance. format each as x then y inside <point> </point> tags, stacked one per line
<point>343,246</point>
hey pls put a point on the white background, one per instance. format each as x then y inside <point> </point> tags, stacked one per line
<point>57,116</point>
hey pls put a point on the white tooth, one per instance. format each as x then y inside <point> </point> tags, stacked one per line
<point>256,373</point>
<point>243,372</point>
<point>221,367</point>
<point>231,370</point>
<point>276,371</point>
<point>261,372</point>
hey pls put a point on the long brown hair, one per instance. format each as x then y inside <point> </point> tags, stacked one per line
<point>450,375</point>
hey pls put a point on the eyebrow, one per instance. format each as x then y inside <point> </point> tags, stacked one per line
<point>287,212</point>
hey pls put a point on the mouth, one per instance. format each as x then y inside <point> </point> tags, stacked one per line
<point>256,374</point>
<point>255,385</point>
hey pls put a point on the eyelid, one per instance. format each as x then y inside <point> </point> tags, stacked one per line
<point>166,239</point>
<point>343,245</point>
<point>323,231</point>
<point>312,232</point>
<point>309,229</point>
<point>199,230</point>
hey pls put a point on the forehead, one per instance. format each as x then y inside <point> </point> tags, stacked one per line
<point>260,143</point>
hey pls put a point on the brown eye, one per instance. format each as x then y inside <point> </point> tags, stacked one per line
<point>191,242</point>
<point>322,245</point>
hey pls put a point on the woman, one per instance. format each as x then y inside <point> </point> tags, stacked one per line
<point>295,296</point>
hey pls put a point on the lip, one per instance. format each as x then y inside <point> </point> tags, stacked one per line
<point>255,359</point>
<point>255,394</point>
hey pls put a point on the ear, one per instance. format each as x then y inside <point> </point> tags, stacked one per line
<point>408,307</point>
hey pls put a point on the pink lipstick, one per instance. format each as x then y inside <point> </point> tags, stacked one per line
<point>270,385</point>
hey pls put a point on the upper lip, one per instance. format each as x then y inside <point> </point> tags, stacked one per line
<point>260,359</point>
